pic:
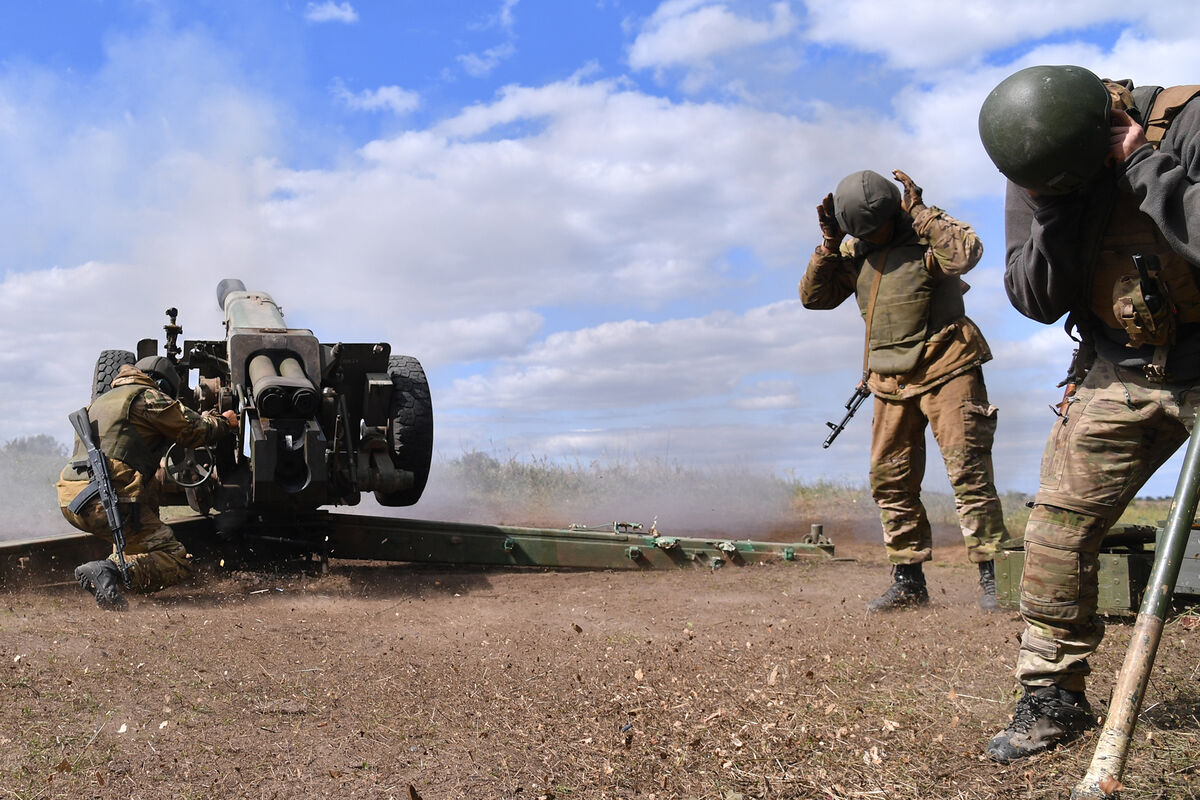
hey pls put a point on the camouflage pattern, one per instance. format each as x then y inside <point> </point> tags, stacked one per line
<point>160,421</point>
<point>944,391</point>
<point>156,557</point>
<point>1117,431</point>
<point>964,425</point>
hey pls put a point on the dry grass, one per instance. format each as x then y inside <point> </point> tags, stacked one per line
<point>766,682</point>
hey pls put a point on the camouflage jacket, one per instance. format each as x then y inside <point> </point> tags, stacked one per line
<point>951,248</point>
<point>160,421</point>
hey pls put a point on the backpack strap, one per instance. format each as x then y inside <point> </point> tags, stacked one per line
<point>1162,108</point>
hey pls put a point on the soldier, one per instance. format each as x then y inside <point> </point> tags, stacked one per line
<point>137,420</point>
<point>922,362</point>
<point>1087,191</point>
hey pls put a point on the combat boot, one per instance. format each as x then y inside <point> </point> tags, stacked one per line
<point>1045,717</point>
<point>907,589</point>
<point>987,586</point>
<point>102,579</point>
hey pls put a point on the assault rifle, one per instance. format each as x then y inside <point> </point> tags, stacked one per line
<point>101,485</point>
<point>861,392</point>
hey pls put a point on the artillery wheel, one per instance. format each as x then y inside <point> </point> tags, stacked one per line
<point>107,366</point>
<point>410,428</point>
<point>188,467</point>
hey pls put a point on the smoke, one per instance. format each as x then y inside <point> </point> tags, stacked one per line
<point>676,499</point>
<point>734,503</point>
<point>29,467</point>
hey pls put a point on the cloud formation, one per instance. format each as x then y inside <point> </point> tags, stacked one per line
<point>330,11</point>
<point>479,65</point>
<point>584,265</point>
<point>384,98</point>
<point>691,32</point>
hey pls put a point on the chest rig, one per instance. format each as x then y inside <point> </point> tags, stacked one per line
<point>118,438</point>
<point>1150,298</point>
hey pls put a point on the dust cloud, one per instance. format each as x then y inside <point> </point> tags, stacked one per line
<point>676,500</point>
<point>29,467</point>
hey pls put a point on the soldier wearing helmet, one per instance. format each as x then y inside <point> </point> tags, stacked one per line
<point>1099,172</point>
<point>137,420</point>
<point>922,362</point>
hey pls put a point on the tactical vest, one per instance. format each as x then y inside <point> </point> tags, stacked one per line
<point>910,304</point>
<point>118,438</point>
<point>1116,298</point>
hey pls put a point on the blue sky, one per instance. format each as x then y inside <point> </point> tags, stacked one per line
<point>587,218</point>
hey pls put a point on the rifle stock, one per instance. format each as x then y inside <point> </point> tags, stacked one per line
<point>861,392</point>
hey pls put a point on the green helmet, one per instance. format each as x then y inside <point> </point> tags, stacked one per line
<point>864,201</point>
<point>1047,128</point>
<point>162,372</point>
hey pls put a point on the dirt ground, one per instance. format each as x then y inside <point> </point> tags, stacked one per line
<point>401,681</point>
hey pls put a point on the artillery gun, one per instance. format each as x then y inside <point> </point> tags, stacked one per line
<point>319,423</point>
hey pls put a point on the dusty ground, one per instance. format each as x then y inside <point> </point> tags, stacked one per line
<point>764,682</point>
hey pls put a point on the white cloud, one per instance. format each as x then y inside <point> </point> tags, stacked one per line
<point>486,336</point>
<point>479,65</point>
<point>664,362</point>
<point>329,11</point>
<point>927,34</point>
<point>691,32</point>
<point>390,98</point>
<point>468,240</point>
<point>504,17</point>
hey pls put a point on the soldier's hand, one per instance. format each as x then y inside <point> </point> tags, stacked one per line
<point>1125,136</point>
<point>912,193</point>
<point>231,418</point>
<point>831,233</point>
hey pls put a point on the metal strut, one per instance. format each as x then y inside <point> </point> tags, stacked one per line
<point>352,536</point>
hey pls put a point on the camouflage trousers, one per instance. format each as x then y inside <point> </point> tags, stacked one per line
<point>155,557</point>
<point>1117,431</point>
<point>963,424</point>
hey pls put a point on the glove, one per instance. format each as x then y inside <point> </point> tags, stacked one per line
<point>912,193</point>
<point>831,232</point>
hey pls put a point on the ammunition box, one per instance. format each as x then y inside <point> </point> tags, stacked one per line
<point>1189,568</point>
<point>1124,571</point>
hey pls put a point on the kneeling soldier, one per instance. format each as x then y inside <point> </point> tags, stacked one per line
<point>136,421</point>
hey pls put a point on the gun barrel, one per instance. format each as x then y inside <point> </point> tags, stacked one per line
<point>304,396</point>
<point>227,286</point>
<point>269,396</point>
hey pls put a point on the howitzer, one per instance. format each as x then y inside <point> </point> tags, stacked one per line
<point>101,486</point>
<point>319,424</point>
<point>861,392</point>
<point>1103,778</point>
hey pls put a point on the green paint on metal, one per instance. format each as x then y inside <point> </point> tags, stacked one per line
<point>1124,570</point>
<point>349,536</point>
<point>621,546</point>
